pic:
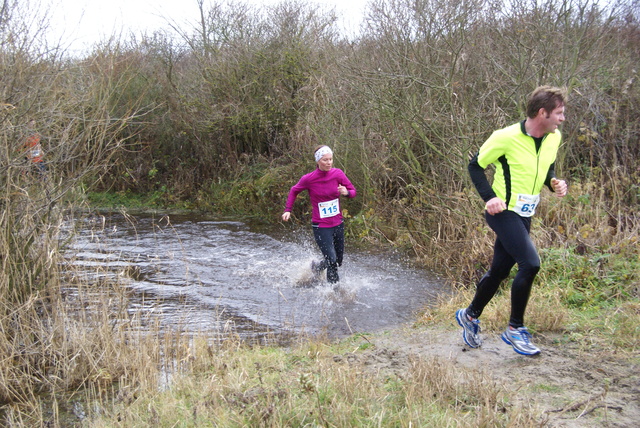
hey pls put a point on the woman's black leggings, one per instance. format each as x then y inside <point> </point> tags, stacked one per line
<point>513,245</point>
<point>331,243</point>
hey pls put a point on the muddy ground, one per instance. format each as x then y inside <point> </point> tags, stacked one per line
<point>566,386</point>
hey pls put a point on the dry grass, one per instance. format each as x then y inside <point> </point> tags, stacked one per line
<point>64,344</point>
<point>312,385</point>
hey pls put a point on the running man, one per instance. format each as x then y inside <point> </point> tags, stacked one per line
<point>524,157</point>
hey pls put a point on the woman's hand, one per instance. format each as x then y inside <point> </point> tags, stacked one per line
<point>286,215</point>
<point>343,190</point>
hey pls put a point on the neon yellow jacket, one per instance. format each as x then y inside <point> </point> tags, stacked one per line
<point>521,168</point>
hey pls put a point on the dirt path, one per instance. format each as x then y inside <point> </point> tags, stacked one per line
<point>570,388</point>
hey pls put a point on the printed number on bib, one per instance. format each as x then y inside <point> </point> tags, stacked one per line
<point>329,208</point>
<point>526,205</point>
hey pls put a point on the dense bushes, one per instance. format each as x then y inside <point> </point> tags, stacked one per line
<point>404,106</point>
<point>184,112</point>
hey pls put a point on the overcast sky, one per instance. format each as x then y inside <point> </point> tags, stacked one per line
<point>87,21</point>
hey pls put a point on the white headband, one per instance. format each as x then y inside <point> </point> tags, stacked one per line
<point>321,152</point>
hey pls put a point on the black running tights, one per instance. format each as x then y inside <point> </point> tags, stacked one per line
<point>331,243</point>
<point>513,245</point>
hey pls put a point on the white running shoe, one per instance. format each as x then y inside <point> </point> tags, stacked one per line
<point>470,329</point>
<point>520,339</point>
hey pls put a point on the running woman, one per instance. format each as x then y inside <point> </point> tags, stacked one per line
<point>325,186</point>
<point>524,157</point>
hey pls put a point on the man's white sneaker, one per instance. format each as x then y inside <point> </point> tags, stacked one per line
<point>470,329</point>
<point>520,339</point>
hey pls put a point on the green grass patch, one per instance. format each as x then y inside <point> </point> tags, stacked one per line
<point>589,299</point>
<point>547,388</point>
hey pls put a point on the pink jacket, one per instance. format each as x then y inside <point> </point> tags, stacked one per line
<point>323,188</point>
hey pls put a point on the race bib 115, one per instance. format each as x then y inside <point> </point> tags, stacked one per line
<point>329,208</point>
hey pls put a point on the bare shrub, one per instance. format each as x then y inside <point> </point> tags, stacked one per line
<point>82,121</point>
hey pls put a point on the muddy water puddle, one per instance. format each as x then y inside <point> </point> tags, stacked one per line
<point>209,275</point>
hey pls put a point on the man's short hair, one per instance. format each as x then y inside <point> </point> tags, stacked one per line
<point>546,97</point>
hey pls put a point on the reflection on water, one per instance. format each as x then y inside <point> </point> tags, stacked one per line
<point>199,274</point>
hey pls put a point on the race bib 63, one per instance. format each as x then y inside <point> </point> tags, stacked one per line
<point>526,205</point>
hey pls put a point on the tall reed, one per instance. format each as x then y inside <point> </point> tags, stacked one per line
<point>44,347</point>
